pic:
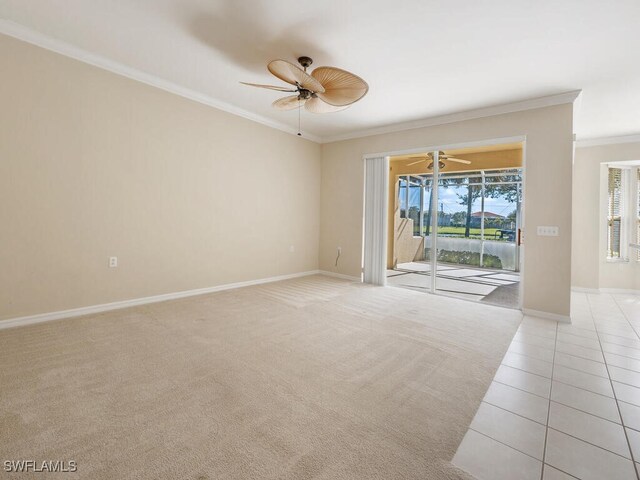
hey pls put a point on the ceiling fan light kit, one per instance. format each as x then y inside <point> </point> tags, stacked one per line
<point>325,90</point>
<point>441,155</point>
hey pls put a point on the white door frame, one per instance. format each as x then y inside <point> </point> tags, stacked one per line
<point>377,190</point>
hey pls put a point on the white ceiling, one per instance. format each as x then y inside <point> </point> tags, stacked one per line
<point>421,58</point>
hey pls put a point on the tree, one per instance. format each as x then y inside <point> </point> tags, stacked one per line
<point>459,218</point>
<point>427,223</point>
<point>509,191</point>
<point>442,183</point>
<point>473,193</point>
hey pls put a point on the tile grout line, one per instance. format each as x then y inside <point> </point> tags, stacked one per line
<point>526,371</point>
<point>617,402</point>
<point>564,353</point>
<point>615,397</point>
<point>513,413</point>
<point>590,443</point>
<point>563,383</point>
<point>528,333</point>
<point>588,413</point>
<point>559,403</point>
<point>546,430</point>
<point>605,323</point>
<point>547,361</point>
<point>567,474</point>
<point>505,444</point>
<point>552,428</point>
<point>565,366</point>
<point>625,316</point>
<point>522,389</point>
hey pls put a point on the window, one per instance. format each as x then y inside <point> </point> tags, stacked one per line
<point>481,205</point>
<point>638,213</point>
<point>623,212</point>
<point>410,195</point>
<point>615,195</point>
<point>402,196</point>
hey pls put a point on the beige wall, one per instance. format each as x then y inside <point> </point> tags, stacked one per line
<point>406,247</point>
<point>548,165</point>
<point>590,268</point>
<point>93,165</point>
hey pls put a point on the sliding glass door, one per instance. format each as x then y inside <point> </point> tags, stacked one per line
<point>411,231</point>
<point>478,224</point>
<point>457,222</point>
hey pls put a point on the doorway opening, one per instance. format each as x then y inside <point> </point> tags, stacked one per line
<point>458,213</point>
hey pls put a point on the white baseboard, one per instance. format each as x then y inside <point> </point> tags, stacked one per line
<point>547,315</point>
<point>340,275</point>
<point>624,291</point>
<point>585,290</point>
<point>77,312</point>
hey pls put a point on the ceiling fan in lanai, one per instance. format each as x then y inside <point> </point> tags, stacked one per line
<point>324,90</point>
<point>442,157</point>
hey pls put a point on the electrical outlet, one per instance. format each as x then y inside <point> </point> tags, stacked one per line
<point>339,250</point>
<point>548,231</point>
<point>113,262</point>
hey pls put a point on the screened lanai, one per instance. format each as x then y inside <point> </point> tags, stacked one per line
<point>474,216</point>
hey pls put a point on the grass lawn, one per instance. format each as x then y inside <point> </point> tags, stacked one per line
<point>489,233</point>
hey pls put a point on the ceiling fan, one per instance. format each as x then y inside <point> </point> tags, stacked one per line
<point>325,90</point>
<point>441,156</point>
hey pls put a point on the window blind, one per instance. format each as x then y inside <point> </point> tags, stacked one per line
<point>614,213</point>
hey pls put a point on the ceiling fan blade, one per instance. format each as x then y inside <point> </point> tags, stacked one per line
<point>270,87</point>
<point>315,105</point>
<point>289,73</point>
<point>340,87</point>
<point>288,103</point>
<point>415,163</point>
<point>457,160</point>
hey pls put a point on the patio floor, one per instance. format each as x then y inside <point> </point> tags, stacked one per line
<point>496,287</point>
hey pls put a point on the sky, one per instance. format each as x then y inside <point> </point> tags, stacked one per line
<point>450,203</point>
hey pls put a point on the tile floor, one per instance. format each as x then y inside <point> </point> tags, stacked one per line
<point>565,402</point>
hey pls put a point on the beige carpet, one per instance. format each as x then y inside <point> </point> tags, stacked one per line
<point>307,378</point>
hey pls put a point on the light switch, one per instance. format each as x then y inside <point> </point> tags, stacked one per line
<point>548,231</point>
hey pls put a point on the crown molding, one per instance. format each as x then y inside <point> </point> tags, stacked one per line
<point>34,37</point>
<point>541,102</point>
<point>593,142</point>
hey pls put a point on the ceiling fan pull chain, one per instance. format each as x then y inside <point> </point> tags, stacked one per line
<point>299,107</point>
